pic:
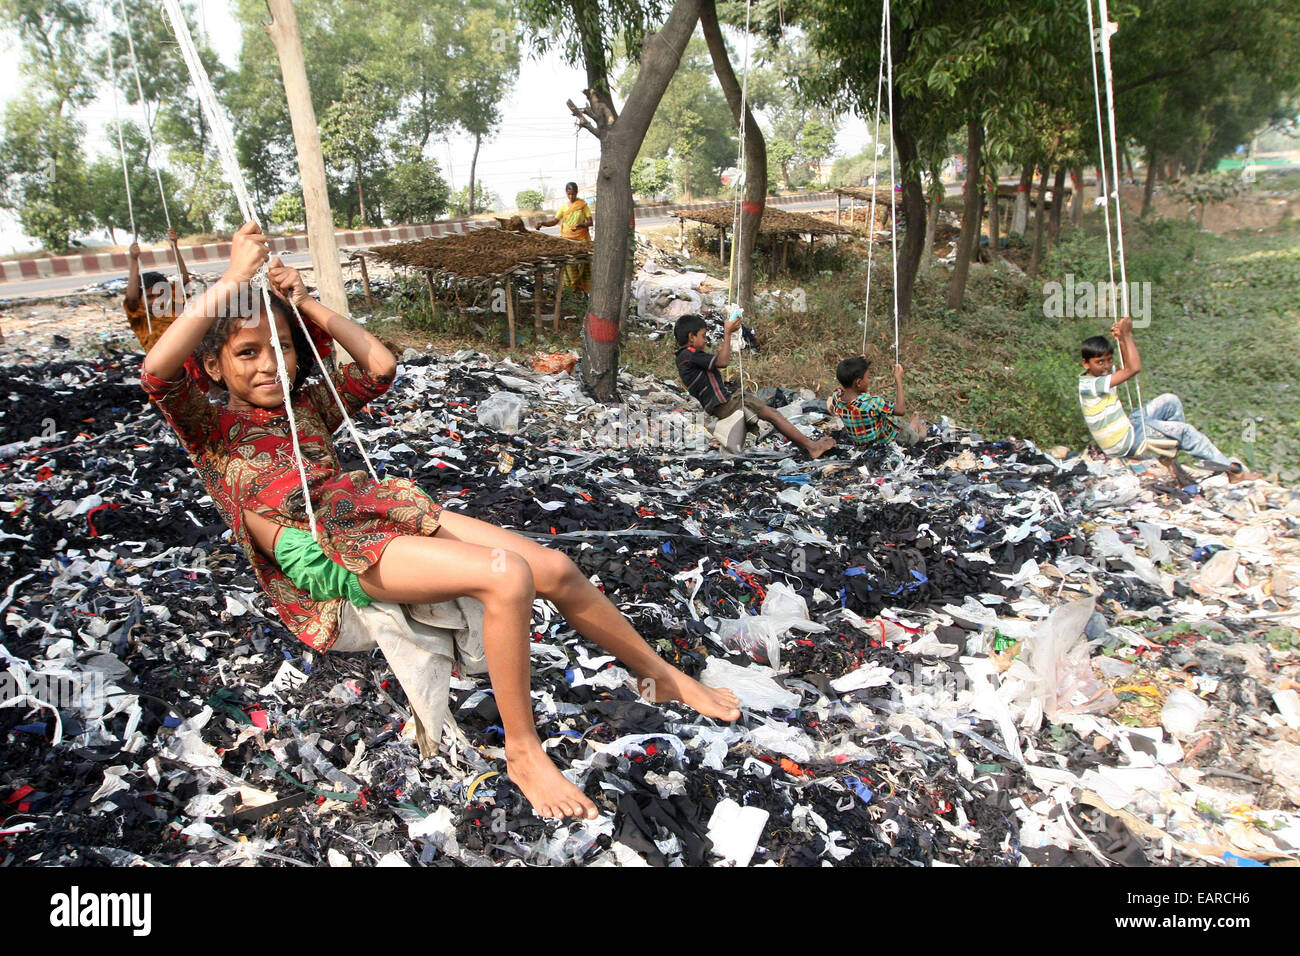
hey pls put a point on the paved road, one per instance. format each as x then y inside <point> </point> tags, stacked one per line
<point>63,285</point>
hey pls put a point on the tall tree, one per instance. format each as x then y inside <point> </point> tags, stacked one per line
<point>751,206</point>
<point>584,31</point>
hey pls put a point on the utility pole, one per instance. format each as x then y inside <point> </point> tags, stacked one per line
<point>283,30</point>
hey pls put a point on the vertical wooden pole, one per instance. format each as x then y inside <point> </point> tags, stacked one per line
<point>838,199</point>
<point>510,310</point>
<point>365,283</point>
<point>283,30</point>
<point>433,299</point>
<point>722,243</point>
<point>537,300</point>
<point>559,295</point>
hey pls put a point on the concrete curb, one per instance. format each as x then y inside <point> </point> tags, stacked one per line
<point>196,256</point>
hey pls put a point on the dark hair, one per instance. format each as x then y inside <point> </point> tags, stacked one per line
<point>574,185</point>
<point>220,331</point>
<point>851,369</point>
<point>687,326</point>
<point>151,279</point>
<point>1096,347</point>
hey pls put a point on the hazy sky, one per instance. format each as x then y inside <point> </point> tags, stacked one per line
<point>536,136</point>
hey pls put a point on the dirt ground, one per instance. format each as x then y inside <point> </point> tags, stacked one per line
<point>1263,212</point>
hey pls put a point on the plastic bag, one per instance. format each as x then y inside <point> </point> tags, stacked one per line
<point>1063,681</point>
<point>759,635</point>
<point>501,410</point>
<point>754,685</point>
<point>1183,710</point>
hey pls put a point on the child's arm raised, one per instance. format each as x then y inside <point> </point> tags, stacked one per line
<point>167,357</point>
<point>375,360</point>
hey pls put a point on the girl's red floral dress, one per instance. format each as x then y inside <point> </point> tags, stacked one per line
<point>245,459</point>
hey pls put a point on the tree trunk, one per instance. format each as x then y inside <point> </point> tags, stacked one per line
<point>361,195</point>
<point>1076,207</point>
<point>1058,196</point>
<point>472,164</point>
<point>912,247</point>
<point>1039,215</point>
<point>1149,189</point>
<point>327,272</point>
<point>968,243</point>
<point>620,139</point>
<point>991,191</point>
<point>1020,214</point>
<point>751,204</point>
<point>931,227</point>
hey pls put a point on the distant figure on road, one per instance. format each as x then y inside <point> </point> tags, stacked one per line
<point>574,219</point>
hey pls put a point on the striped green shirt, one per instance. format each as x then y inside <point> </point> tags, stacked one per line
<point>1110,427</point>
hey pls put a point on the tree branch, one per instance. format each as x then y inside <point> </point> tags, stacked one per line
<point>582,120</point>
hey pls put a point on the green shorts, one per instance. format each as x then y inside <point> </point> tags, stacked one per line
<point>311,570</point>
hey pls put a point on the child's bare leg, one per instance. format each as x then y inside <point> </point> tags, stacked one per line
<point>595,617</point>
<point>416,570</point>
<point>814,449</point>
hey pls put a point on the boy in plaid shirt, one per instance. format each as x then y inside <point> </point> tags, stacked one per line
<point>870,419</point>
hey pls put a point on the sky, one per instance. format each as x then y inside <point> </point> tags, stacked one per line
<point>535,145</point>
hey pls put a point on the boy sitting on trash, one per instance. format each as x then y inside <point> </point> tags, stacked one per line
<point>870,419</point>
<point>700,373</point>
<point>1159,427</point>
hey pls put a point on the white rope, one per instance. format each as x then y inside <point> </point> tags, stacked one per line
<point>121,148</point>
<point>737,217</point>
<point>871,221</point>
<point>226,152</point>
<point>329,382</point>
<point>1093,45</point>
<point>283,372</point>
<point>893,194</point>
<point>1119,215</point>
<point>148,121</point>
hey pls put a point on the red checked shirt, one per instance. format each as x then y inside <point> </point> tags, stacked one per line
<point>246,461</point>
<point>866,418</point>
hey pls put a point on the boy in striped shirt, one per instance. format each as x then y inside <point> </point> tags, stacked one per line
<point>1120,435</point>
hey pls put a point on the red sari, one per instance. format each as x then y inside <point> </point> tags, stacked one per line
<point>246,461</point>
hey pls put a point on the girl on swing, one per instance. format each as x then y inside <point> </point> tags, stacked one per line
<point>384,541</point>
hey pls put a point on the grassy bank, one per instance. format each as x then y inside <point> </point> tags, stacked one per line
<point>1224,314</point>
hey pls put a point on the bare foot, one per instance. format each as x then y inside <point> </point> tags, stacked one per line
<point>819,448</point>
<point>545,787</point>
<point>716,702</point>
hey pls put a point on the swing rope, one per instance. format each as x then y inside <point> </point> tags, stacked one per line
<point>871,221</point>
<point>886,71</point>
<point>1103,44</point>
<point>148,127</point>
<point>126,177</point>
<point>737,209</point>
<point>226,152</point>
<point>893,193</point>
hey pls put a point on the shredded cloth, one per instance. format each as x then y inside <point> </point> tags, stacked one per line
<point>246,461</point>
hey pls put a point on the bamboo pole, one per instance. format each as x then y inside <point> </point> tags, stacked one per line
<point>365,283</point>
<point>559,295</point>
<point>510,310</point>
<point>537,300</point>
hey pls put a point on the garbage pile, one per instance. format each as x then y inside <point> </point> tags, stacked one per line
<point>964,653</point>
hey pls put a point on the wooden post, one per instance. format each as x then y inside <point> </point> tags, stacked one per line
<point>433,299</point>
<point>838,200</point>
<point>785,252</point>
<point>722,243</point>
<point>365,283</point>
<point>510,310</point>
<point>559,294</point>
<point>283,30</point>
<point>681,232</point>
<point>537,301</point>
